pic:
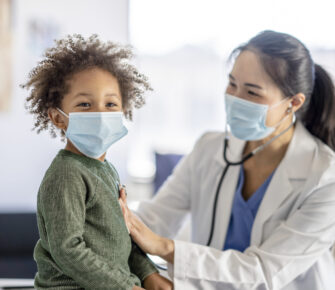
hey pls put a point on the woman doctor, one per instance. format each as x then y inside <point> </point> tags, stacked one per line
<point>262,197</point>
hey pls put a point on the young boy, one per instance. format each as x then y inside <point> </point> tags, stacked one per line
<point>82,88</point>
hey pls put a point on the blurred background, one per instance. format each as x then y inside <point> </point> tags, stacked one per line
<point>181,45</point>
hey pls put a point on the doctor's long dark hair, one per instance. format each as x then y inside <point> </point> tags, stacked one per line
<point>288,62</point>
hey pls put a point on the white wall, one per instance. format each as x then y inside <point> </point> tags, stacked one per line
<point>25,155</point>
<point>186,102</point>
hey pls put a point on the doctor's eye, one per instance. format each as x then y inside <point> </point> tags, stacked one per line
<point>253,94</point>
<point>232,85</point>
<point>85,105</point>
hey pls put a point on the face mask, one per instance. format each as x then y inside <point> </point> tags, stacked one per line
<point>247,120</point>
<point>92,133</point>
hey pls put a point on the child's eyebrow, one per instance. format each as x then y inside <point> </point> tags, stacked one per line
<point>83,95</point>
<point>111,95</point>
<point>90,95</point>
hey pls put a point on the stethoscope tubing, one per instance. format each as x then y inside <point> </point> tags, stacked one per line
<point>224,172</point>
<point>228,164</point>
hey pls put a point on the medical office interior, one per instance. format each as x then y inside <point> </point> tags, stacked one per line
<point>181,45</point>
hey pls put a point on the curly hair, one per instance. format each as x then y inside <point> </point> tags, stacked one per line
<point>47,82</point>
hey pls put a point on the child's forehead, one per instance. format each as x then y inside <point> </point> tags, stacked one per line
<point>92,78</point>
<point>91,73</point>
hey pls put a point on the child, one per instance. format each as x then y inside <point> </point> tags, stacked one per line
<point>81,89</point>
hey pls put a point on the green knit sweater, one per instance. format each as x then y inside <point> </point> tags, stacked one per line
<point>84,242</point>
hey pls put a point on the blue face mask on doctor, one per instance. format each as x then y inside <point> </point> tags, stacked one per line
<point>92,133</point>
<point>247,120</point>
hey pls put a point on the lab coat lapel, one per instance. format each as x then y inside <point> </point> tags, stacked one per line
<point>279,188</point>
<point>294,166</point>
<point>227,191</point>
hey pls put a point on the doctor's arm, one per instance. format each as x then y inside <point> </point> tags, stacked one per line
<point>295,245</point>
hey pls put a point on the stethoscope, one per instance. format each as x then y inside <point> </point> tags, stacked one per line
<point>229,163</point>
<point>224,172</point>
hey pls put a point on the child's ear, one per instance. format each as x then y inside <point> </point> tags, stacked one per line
<point>57,118</point>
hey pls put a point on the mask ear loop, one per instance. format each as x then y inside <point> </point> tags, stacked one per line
<point>279,103</point>
<point>64,114</point>
<point>288,111</point>
<point>227,131</point>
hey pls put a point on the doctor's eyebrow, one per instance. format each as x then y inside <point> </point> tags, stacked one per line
<point>247,84</point>
<point>253,86</point>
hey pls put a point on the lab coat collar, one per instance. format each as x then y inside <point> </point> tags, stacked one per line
<point>298,156</point>
<point>294,167</point>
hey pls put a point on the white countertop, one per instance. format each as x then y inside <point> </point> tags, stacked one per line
<point>17,283</point>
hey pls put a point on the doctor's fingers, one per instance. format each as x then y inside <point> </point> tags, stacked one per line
<point>123,202</point>
<point>146,239</point>
<point>125,212</point>
<point>123,208</point>
<point>123,194</point>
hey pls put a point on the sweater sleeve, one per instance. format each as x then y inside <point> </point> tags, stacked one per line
<point>140,264</point>
<point>63,204</point>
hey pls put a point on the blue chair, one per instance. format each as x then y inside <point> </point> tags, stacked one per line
<point>165,163</point>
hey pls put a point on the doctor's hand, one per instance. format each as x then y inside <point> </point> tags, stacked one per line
<point>157,282</point>
<point>146,239</point>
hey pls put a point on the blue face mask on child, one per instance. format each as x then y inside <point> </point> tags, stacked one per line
<point>92,133</point>
<point>247,120</point>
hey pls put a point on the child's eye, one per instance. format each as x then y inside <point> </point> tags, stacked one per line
<point>110,105</point>
<point>85,105</point>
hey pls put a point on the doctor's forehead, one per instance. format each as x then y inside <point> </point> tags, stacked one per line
<point>249,69</point>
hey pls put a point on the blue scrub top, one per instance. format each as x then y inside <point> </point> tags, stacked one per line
<point>243,215</point>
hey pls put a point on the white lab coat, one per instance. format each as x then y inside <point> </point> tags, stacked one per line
<point>292,234</point>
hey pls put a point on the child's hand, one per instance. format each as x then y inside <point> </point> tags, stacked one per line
<point>157,282</point>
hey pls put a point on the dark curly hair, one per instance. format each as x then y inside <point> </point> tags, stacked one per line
<point>48,80</point>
